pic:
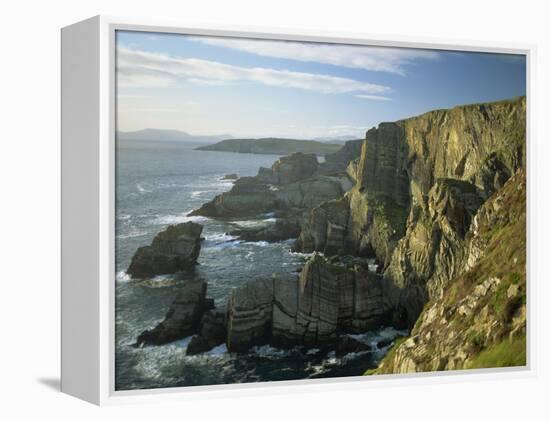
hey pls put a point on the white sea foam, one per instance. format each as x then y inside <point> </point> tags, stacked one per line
<point>217,238</point>
<point>182,343</point>
<point>227,244</point>
<point>255,223</point>
<point>258,243</point>
<point>142,189</point>
<point>132,234</point>
<point>218,351</point>
<point>374,337</point>
<point>267,351</point>
<point>176,219</point>
<point>300,254</point>
<point>197,193</point>
<point>159,281</point>
<point>122,276</point>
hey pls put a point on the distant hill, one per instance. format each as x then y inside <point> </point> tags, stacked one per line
<point>272,146</point>
<point>168,136</point>
<point>338,139</point>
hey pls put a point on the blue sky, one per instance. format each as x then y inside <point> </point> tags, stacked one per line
<point>254,88</point>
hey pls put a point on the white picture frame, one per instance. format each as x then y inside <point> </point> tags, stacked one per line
<point>88,166</point>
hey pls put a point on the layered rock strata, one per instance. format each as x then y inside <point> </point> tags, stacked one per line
<point>312,311</point>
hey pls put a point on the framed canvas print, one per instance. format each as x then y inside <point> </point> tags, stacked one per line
<point>245,208</point>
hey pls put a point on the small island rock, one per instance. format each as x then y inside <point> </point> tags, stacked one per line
<point>172,250</point>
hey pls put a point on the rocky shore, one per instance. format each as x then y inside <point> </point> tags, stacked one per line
<point>433,200</point>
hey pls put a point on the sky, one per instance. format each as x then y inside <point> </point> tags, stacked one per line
<point>258,88</point>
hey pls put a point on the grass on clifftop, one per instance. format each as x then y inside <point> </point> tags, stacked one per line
<point>504,354</point>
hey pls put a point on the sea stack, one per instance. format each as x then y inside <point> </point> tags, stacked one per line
<point>172,250</point>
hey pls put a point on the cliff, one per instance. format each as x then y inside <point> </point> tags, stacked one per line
<point>480,319</point>
<point>272,146</point>
<point>419,183</point>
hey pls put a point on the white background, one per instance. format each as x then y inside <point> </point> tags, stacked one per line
<point>29,206</point>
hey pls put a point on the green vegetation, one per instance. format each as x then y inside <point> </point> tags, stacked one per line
<point>508,353</point>
<point>505,306</point>
<point>388,215</point>
<point>272,146</point>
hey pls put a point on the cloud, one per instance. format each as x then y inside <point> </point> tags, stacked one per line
<point>139,68</point>
<point>380,59</point>
<point>374,97</point>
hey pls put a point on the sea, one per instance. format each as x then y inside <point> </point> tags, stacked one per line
<point>158,184</point>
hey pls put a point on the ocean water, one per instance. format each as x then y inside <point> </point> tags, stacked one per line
<point>157,184</point>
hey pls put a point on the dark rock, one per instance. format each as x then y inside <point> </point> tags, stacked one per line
<point>209,303</point>
<point>211,333</point>
<point>197,345</point>
<point>280,231</point>
<point>347,345</point>
<point>383,343</point>
<point>183,317</point>
<point>174,249</point>
<point>212,328</point>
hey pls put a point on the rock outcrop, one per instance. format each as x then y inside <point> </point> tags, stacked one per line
<point>183,317</point>
<point>338,161</point>
<point>290,169</point>
<point>174,249</point>
<point>211,333</point>
<point>283,229</point>
<point>313,311</point>
<point>291,187</point>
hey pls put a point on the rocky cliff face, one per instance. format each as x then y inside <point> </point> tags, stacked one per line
<point>419,182</point>
<point>479,319</point>
<point>338,161</point>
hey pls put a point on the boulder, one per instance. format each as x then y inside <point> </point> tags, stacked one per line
<point>174,249</point>
<point>197,345</point>
<point>183,317</point>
